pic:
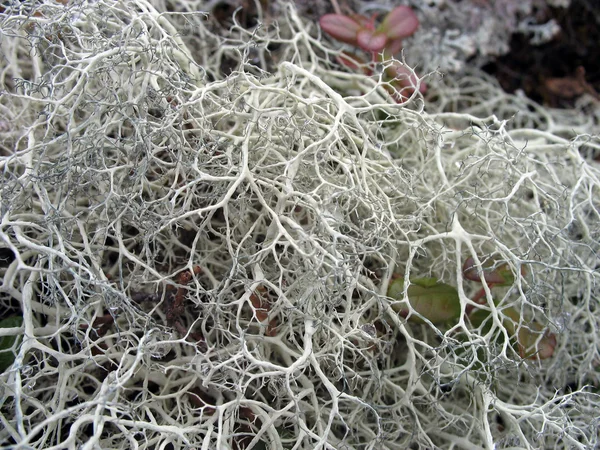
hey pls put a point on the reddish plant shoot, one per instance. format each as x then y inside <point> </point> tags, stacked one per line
<point>382,42</point>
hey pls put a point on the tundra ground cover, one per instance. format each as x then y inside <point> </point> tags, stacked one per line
<point>201,257</point>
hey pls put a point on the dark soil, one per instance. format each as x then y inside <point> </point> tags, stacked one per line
<point>558,72</point>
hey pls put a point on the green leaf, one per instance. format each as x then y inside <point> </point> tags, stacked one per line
<point>437,302</point>
<point>8,348</point>
<point>425,282</point>
<point>478,317</point>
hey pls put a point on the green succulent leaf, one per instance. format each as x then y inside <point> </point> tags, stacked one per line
<point>437,302</point>
<point>7,343</point>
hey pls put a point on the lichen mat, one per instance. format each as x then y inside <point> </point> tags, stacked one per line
<point>200,225</point>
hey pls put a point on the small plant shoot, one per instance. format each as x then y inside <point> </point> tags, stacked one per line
<point>381,42</point>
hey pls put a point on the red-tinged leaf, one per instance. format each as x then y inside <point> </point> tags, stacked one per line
<point>406,88</point>
<point>371,41</point>
<point>392,48</point>
<point>471,272</point>
<point>399,23</point>
<point>501,276</point>
<point>534,343</point>
<point>405,81</point>
<point>353,62</point>
<point>531,340</point>
<point>341,27</point>
<point>365,22</point>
